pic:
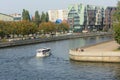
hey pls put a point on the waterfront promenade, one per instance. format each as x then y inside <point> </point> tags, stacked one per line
<point>107,46</point>
<point>104,52</point>
<point>49,39</point>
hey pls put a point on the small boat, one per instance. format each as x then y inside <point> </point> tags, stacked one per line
<point>43,52</point>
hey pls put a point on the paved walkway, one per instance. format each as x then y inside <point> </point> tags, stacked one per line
<point>103,49</point>
<point>103,52</point>
<point>108,46</point>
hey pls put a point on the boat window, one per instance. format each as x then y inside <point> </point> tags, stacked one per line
<point>39,51</point>
<point>46,50</point>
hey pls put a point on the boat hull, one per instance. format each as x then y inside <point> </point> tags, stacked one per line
<point>43,55</point>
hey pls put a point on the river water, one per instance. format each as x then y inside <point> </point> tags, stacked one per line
<point>20,63</point>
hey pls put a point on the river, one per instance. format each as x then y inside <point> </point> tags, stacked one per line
<point>20,63</point>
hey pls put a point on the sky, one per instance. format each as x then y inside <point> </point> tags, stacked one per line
<point>17,6</point>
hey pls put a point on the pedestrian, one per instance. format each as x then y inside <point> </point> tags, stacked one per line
<point>82,50</point>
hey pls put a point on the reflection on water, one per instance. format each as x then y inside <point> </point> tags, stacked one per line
<point>20,63</point>
<point>103,71</point>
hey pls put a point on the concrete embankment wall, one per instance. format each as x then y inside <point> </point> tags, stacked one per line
<point>47,39</point>
<point>108,56</point>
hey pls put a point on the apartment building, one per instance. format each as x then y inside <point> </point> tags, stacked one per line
<point>76,14</point>
<point>108,23</point>
<point>86,17</point>
<point>58,14</point>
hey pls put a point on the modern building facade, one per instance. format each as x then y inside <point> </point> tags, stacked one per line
<point>76,14</point>
<point>5,17</point>
<point>100,15</point>
<point>58,14</point>
<point>108,23</point>
<point>91,15</point>
<point>88,17</point>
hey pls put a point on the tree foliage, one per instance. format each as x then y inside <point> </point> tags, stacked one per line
<point>26,26</point>
<point>47,27</point>
<point>37,18</point>
<point>47,17</point>
<point>117,32</point>
<point>62,27</point>
<point>25,15</point>
<point>116,23</point>
<point>43,17</point>
<point>17,28</point>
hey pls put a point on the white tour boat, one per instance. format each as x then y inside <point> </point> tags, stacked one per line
<point>43,52</point>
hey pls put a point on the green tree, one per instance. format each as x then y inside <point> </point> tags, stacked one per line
<point>37,18</point>
<point>62,27</point>
<point>27,28</point>
<point>2,32</point>
<point>43,17</point>
<point>117,32</point>
<point>17,28</point>
<point>25,15</point>
<point>116,23</point>
<point>47,17</point>
<point>47,27</point>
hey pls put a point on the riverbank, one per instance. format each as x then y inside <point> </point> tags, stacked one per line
<point>104,52</point>
<point>49,39</point>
